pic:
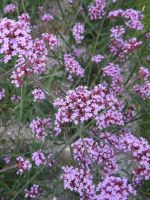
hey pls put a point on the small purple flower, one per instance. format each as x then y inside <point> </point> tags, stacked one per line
<point>23,165</point>
<point>2,94</point>
<point>38,95</point>
<point>33,192</point>
<point>47,17</point>
<point>10,8</point>
<point>78,31</point>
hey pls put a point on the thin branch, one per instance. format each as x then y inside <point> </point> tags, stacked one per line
<point>8,168</point>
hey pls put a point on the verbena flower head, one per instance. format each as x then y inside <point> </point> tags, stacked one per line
<point>39,158</point>
<point>143,90</point>
<point>15,38</point>
<point>2,94</point>
<point>47,17</point>
<point>96,9</point>
<point>38,95</point>
<point>117,32</point>
<point>110,118</point>
<point>77,52</point>
<point>129,114</point>
<point>97,58</point>
<point>82,104</point>
<point>80,181</point>
<point>87,152</point>
<point>33,192</point>
<point>140,151</point>
<point>23,165</point>
<point>123,48</point>
<point>72,66</point>
<point>113,70</point>
<point>71,1</point>
<point>7,159</point>
<point>10,8</point>
<point>144,73</point>
<point>132,18</point>
<point>15,98</point>
<point>50,160</point>
<point>38,127</point>
<point>113,188</point>
<point>51,40</point>
<point>148,59</point>
<point>78,31</point>
<point>20,74</point>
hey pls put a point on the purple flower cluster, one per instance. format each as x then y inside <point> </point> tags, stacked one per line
<point>133,18</point>
<point>47,17</point>
<point>97,58</point>
<point>10,8</point>
<point>148,59</point>
<point>82,104</point>
<point>118,45</point>
<point>79,105</point>
<point>122,48</point>
<point>140,151</point>
<point>109,118</point>
<point>15,98</point>
<point>129,113</point>
<point>38,58</point>
<point>7,159</point>
<point>23,165</point>
<point>80,181</point>
<point>38,127</point>
<point>51,40</point>
<point>96,9</point>
<point>77,52</point>
<point>144,89</point>
<point>33,192</point>
<point>50,160</point>
<point>2,94</point>
<point>144,73</point>
<point>147,35</point>
<point>39,158</point>
<point>87,153</point>
<point>70,1</point>
<point>15,38</point>
<point>38,95</point>
<point>117,32</point>
<point>113,188</point>
<point>72,66</point>
<point>20,74</point>
<point>113,70</point>
<point>78,31</point>
<point>137,148</point>
<point>24,17</point>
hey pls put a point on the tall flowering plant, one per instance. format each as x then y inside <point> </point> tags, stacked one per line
<point>94,109</point>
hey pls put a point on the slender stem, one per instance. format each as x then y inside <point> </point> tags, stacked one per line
<point>5,74</point>
<point>50,96</point>
<point>8,168</point>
